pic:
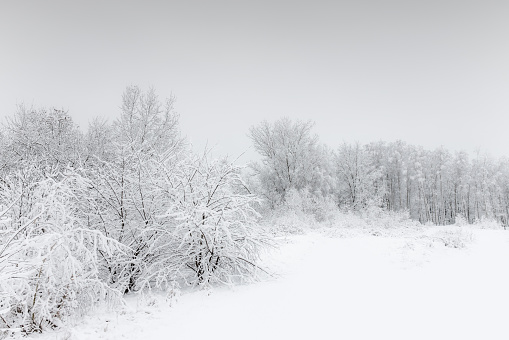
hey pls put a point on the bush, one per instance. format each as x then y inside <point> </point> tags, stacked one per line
<point>300,211</point>
<point>488,223</point>
<point>49,264</point>
<point>460,220</point>
<point>284,222</point>
<point>209,231</point>
<point>453,237</point>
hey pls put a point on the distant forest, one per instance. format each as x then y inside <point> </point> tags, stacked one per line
<point>433,186</point>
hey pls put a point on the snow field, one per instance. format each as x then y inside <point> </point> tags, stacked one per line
<point>355,287</point>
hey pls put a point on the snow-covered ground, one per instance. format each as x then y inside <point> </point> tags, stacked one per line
<point>335,285</point>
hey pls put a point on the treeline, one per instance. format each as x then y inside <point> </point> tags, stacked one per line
<point>433,186</point>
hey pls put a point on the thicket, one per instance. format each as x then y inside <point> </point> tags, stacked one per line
<point>124,207</point>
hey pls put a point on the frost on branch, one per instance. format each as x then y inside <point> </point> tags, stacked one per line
<point>49,265</point>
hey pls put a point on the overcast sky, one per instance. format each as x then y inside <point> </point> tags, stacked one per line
<point>427,72</point>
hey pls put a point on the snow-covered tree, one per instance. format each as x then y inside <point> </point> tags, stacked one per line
<point>46,138</point>
<point>124,203</point>
<point>290,158</point>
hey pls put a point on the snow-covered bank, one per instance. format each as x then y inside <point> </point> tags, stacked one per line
<point>357,287</point>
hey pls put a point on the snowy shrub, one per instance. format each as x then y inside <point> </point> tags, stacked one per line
<point>294,201</point>
<point>321,208</point>
<point>301,211</point>
<point>378,217</point>
<point>349,220</point>
<point>482,223</point>
<point>122,206</point>
<point>49,263</point>
<point>488,223</point>
<point>173,293</point>
<point>460,220</point>
<point>209,232</point>
<point>287,222</point>
<point>453,237</point>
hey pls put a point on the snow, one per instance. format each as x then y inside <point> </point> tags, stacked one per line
<point>406,285</point>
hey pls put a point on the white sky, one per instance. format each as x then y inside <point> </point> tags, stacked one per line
<point>431,73</point>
